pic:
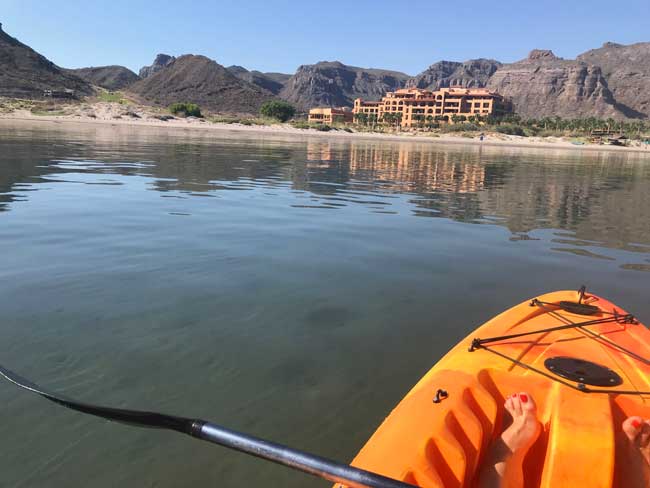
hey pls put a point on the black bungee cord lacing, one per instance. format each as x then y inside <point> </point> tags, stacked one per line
<point>574,307</point>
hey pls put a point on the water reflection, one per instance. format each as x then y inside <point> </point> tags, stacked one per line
<point>602,198</point>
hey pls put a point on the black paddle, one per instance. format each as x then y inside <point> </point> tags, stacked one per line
<point>301,461</point>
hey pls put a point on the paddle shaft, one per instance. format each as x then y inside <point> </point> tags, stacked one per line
<point>302,461</point>
<point>200,429</point>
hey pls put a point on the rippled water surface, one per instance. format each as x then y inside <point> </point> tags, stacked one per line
<point>291,288</point>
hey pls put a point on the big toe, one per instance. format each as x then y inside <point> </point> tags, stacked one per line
<point>637,430</point>
<point>632,427</point>
<point>528,404</point>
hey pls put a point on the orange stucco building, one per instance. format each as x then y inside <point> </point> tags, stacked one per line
<point>416,105</point>
<point>330,115</point>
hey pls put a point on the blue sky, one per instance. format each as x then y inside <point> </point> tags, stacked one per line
<point>280,35</point>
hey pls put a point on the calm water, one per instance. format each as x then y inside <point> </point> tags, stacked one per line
<point>290,288</point>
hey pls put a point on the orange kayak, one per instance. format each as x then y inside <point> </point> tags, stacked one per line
<point>582,358</point>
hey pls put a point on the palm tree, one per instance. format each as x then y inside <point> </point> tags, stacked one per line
<point>372,119</point>
<point>362,118</point>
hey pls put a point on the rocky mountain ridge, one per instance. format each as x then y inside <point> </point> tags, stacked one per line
<point>611,81</point>
<point>473,73</point>
<point>332,83</point>
<point>161,61</point>
<point>627,70</point>
<point>109,77</point>
<point>544,85</point>
<point>200,80</point>
<point>273,82</point>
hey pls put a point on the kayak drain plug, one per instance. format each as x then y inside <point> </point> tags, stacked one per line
<point>440,396</point>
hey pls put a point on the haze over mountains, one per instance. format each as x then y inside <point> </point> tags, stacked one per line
<point>611,81</point>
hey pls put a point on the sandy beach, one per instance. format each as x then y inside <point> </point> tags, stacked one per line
<point>114,114</point>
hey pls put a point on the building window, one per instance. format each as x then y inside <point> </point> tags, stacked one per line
<point>486,105</point>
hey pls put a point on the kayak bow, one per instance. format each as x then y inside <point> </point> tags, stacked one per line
<point>584,361</point>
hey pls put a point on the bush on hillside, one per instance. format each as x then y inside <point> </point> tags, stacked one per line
<point>185,109</point>
<point>277,109</point>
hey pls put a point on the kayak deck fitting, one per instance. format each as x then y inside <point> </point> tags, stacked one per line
<point>584,361</point>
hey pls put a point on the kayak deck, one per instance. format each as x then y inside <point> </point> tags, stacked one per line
<point>443,444</point>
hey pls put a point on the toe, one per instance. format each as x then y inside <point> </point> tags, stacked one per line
<point>516,404</point>
<point>509,406</point>
<point>632,427</point>
<point>644,434</point>
<point>527,402</point>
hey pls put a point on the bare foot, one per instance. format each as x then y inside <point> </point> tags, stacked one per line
<point>514,441</point>
<point>637,430</point>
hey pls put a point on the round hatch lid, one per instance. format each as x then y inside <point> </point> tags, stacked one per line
<point>582,371</point>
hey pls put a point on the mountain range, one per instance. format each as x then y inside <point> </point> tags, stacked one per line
<point>611,81</point>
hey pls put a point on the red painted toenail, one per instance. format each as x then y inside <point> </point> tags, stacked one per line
<point>636,424</point>
<point>524,397</point>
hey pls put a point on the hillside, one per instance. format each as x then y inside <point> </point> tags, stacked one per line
<point>109,77</point>
<point>26,74</point>
<point>627,70</point>
<point>335,84</point>
<point>161,61</point>
<point>273,82</point>
<point>474,73</point>
<point>545,85</point>
<point>200,80</point>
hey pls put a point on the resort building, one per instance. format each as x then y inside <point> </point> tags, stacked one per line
<point>330,116</point>
<point>410,107</point>
<point>368,108</point>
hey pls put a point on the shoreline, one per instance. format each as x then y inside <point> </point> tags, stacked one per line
<point>495,140</point>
